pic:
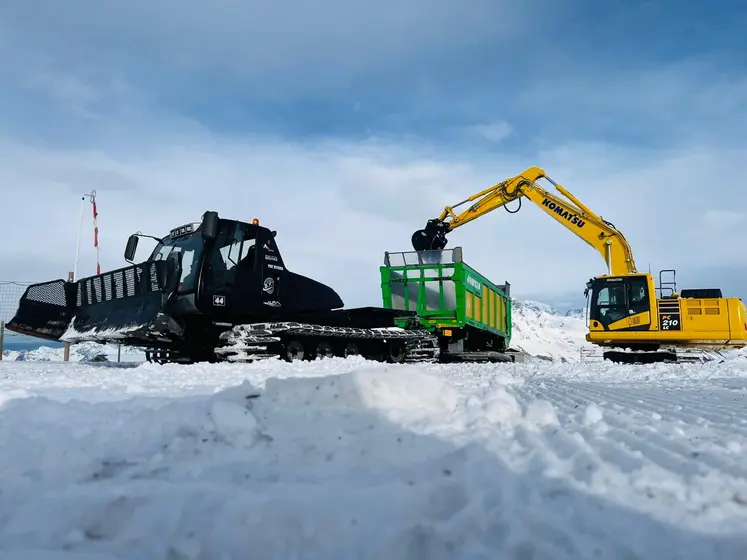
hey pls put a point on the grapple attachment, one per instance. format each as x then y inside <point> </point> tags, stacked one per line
<point>125,305</point>
<point>432,237</point>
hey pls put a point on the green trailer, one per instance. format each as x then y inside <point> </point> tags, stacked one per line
<point>470,314</point>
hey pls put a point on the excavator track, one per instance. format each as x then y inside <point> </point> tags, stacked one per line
<point>291,340</point>
<point>664,355</point>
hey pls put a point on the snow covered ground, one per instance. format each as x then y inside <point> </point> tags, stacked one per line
<point>345,459</point>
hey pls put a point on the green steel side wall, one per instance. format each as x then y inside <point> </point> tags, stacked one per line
<point>483,305</point>
<point>479,302</point>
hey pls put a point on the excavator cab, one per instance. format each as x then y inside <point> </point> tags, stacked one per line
<point>619,302</point>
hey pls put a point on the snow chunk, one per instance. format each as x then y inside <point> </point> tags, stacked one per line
<point>734,447</point>
<point>541,413</point>
<point>592,415</point>
<point>500,407</point>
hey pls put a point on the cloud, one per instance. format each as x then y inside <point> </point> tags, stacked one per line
<point>724,219</point>
<point>346,126</point>
<point>254,39</point>
<point>309,194</point>
<point>337,207</point>
<point>692,101</point>
<point>731,278</point>
<point>495,131</point>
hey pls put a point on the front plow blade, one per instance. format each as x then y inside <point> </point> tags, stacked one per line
<point>125,305</point>
<point>44,310</point>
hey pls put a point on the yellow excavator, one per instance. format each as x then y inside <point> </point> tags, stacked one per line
<point>625,314</point>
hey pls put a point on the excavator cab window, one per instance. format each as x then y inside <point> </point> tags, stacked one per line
<point>613,299</point>
<point>638,289</point>
<point>610,304</point>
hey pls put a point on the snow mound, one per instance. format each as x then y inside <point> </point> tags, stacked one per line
<point>309,463</point>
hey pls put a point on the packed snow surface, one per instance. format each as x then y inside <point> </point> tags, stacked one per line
<point>342,459</point>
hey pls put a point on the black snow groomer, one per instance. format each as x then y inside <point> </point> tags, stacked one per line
<point>212,291</point>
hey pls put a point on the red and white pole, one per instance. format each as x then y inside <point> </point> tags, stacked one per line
<point>96,232</point>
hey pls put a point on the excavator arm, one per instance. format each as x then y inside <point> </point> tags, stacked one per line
<point>566,209</point>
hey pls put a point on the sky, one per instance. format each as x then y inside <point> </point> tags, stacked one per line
<point>346,125</point>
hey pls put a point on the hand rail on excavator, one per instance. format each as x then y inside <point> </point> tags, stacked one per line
<point>569,211</point>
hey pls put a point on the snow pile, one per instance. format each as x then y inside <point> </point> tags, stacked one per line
<point>543,332</point>
<point>346,459</point>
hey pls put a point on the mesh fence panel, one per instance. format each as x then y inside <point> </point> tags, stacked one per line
<point>10,294</point>
<point>12,291</point>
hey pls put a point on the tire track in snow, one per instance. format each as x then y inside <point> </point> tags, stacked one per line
<point>609,443</point>
<point>674,406</point>
<point>684,409</point>
<point>557,451</point>
<point>576,447</point>
<point>627,438</point>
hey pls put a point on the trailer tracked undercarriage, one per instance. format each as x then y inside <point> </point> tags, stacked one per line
<point>301,341</point>
<point>298,341</point>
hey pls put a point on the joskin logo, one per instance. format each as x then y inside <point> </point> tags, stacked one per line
<point>563,213</point>
<point>474,284</point>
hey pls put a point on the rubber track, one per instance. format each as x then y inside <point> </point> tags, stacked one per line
<point>251,342</point>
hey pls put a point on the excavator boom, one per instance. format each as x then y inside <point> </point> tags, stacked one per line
<point>563,207</point>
